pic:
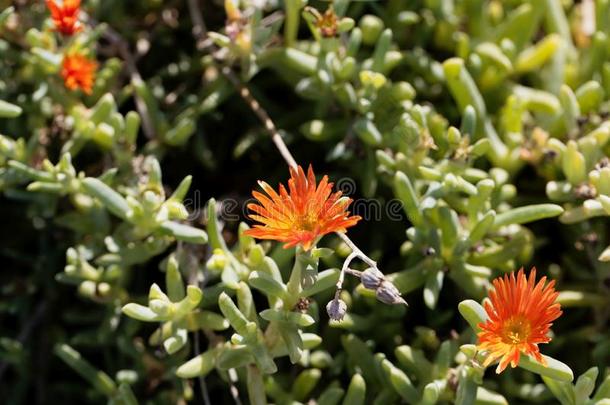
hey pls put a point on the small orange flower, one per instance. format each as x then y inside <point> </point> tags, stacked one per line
<point>78,71</point>
<point>65,16</point>
<point>520,314</point>
<point>302,216</point>
<point>327,23</point>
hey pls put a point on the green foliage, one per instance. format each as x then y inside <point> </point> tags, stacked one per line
<point>479,130</point>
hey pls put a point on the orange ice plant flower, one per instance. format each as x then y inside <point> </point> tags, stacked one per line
<point>65,16</point>
<point>301,215</point>
<point>78,71</point>
<point>520,314</point>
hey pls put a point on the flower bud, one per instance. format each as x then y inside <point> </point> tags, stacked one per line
<point>371,278</point>
<point>218,261</point>
<point>336,309</point>
<point>389,294</point>
<point>345,24</point>
<point>371,27</point>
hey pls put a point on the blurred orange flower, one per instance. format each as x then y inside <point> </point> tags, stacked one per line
<point>303,215</point>
<point>520,314</point>
<point>65,16</point>
<point>78,71</point>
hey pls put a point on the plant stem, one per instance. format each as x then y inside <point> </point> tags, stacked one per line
<point>294,283</point>
<point>256,386</point>
<point>344,269</point>
<point>134,75</point>
<point>262,115</point>
<point>356,250</point>
<point>291,26</point>
<point>234,391</point>
<point>200,33</point>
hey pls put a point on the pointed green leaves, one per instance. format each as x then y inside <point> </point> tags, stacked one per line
<point>184,232</point>
<point>403,188</point>
<point>112,200</point>
<point>8,110</point>
<point>198,366</point>
<point>554,368</point>
<point>530,213</point>
<point>100,380</point>
<point>140,312</point>
<point>473,312</point>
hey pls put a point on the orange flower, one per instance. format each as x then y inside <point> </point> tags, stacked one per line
<point>302,216</point>
<point>78,72</point>
<point>65,16</point>
<point>520,314</point>
<point>327,23</point>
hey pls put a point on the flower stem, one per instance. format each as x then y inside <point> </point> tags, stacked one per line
<point>294,288</point>
<point>256,386</point>
<point>291,26</point>
<point>344,269</point>
<point>294,283</point>
<point>357,251</point>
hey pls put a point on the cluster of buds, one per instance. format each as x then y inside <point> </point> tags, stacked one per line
<point>385,290</point>
<point>371,279</point>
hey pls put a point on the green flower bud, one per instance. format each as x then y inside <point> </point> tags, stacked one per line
<point>345,24</point>
<point>403,91</point>
<point>371,27</point>
<point>218,261</point>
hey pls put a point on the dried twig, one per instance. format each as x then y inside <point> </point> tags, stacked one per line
<point>234,391</point>
<point>200,33</point>
<point>123,47</point>
<point>262,115</point>
<point>344,269</point>
<point>356,250</point>
<point>202,385</point>
<point>193,279</point>
<point>24,335</point>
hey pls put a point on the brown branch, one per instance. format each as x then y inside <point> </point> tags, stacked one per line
<point>200,34</point>
<point>199,31</point>
<point>135,77</point>
<point>24,335</point>
<point>262,115</point>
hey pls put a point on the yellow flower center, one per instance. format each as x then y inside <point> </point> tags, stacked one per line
<point>306,222</point>
<point>516,330</point>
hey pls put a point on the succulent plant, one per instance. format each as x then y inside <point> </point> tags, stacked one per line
<point>455,142</point>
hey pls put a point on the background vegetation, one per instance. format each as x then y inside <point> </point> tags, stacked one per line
<point>487,121</point>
